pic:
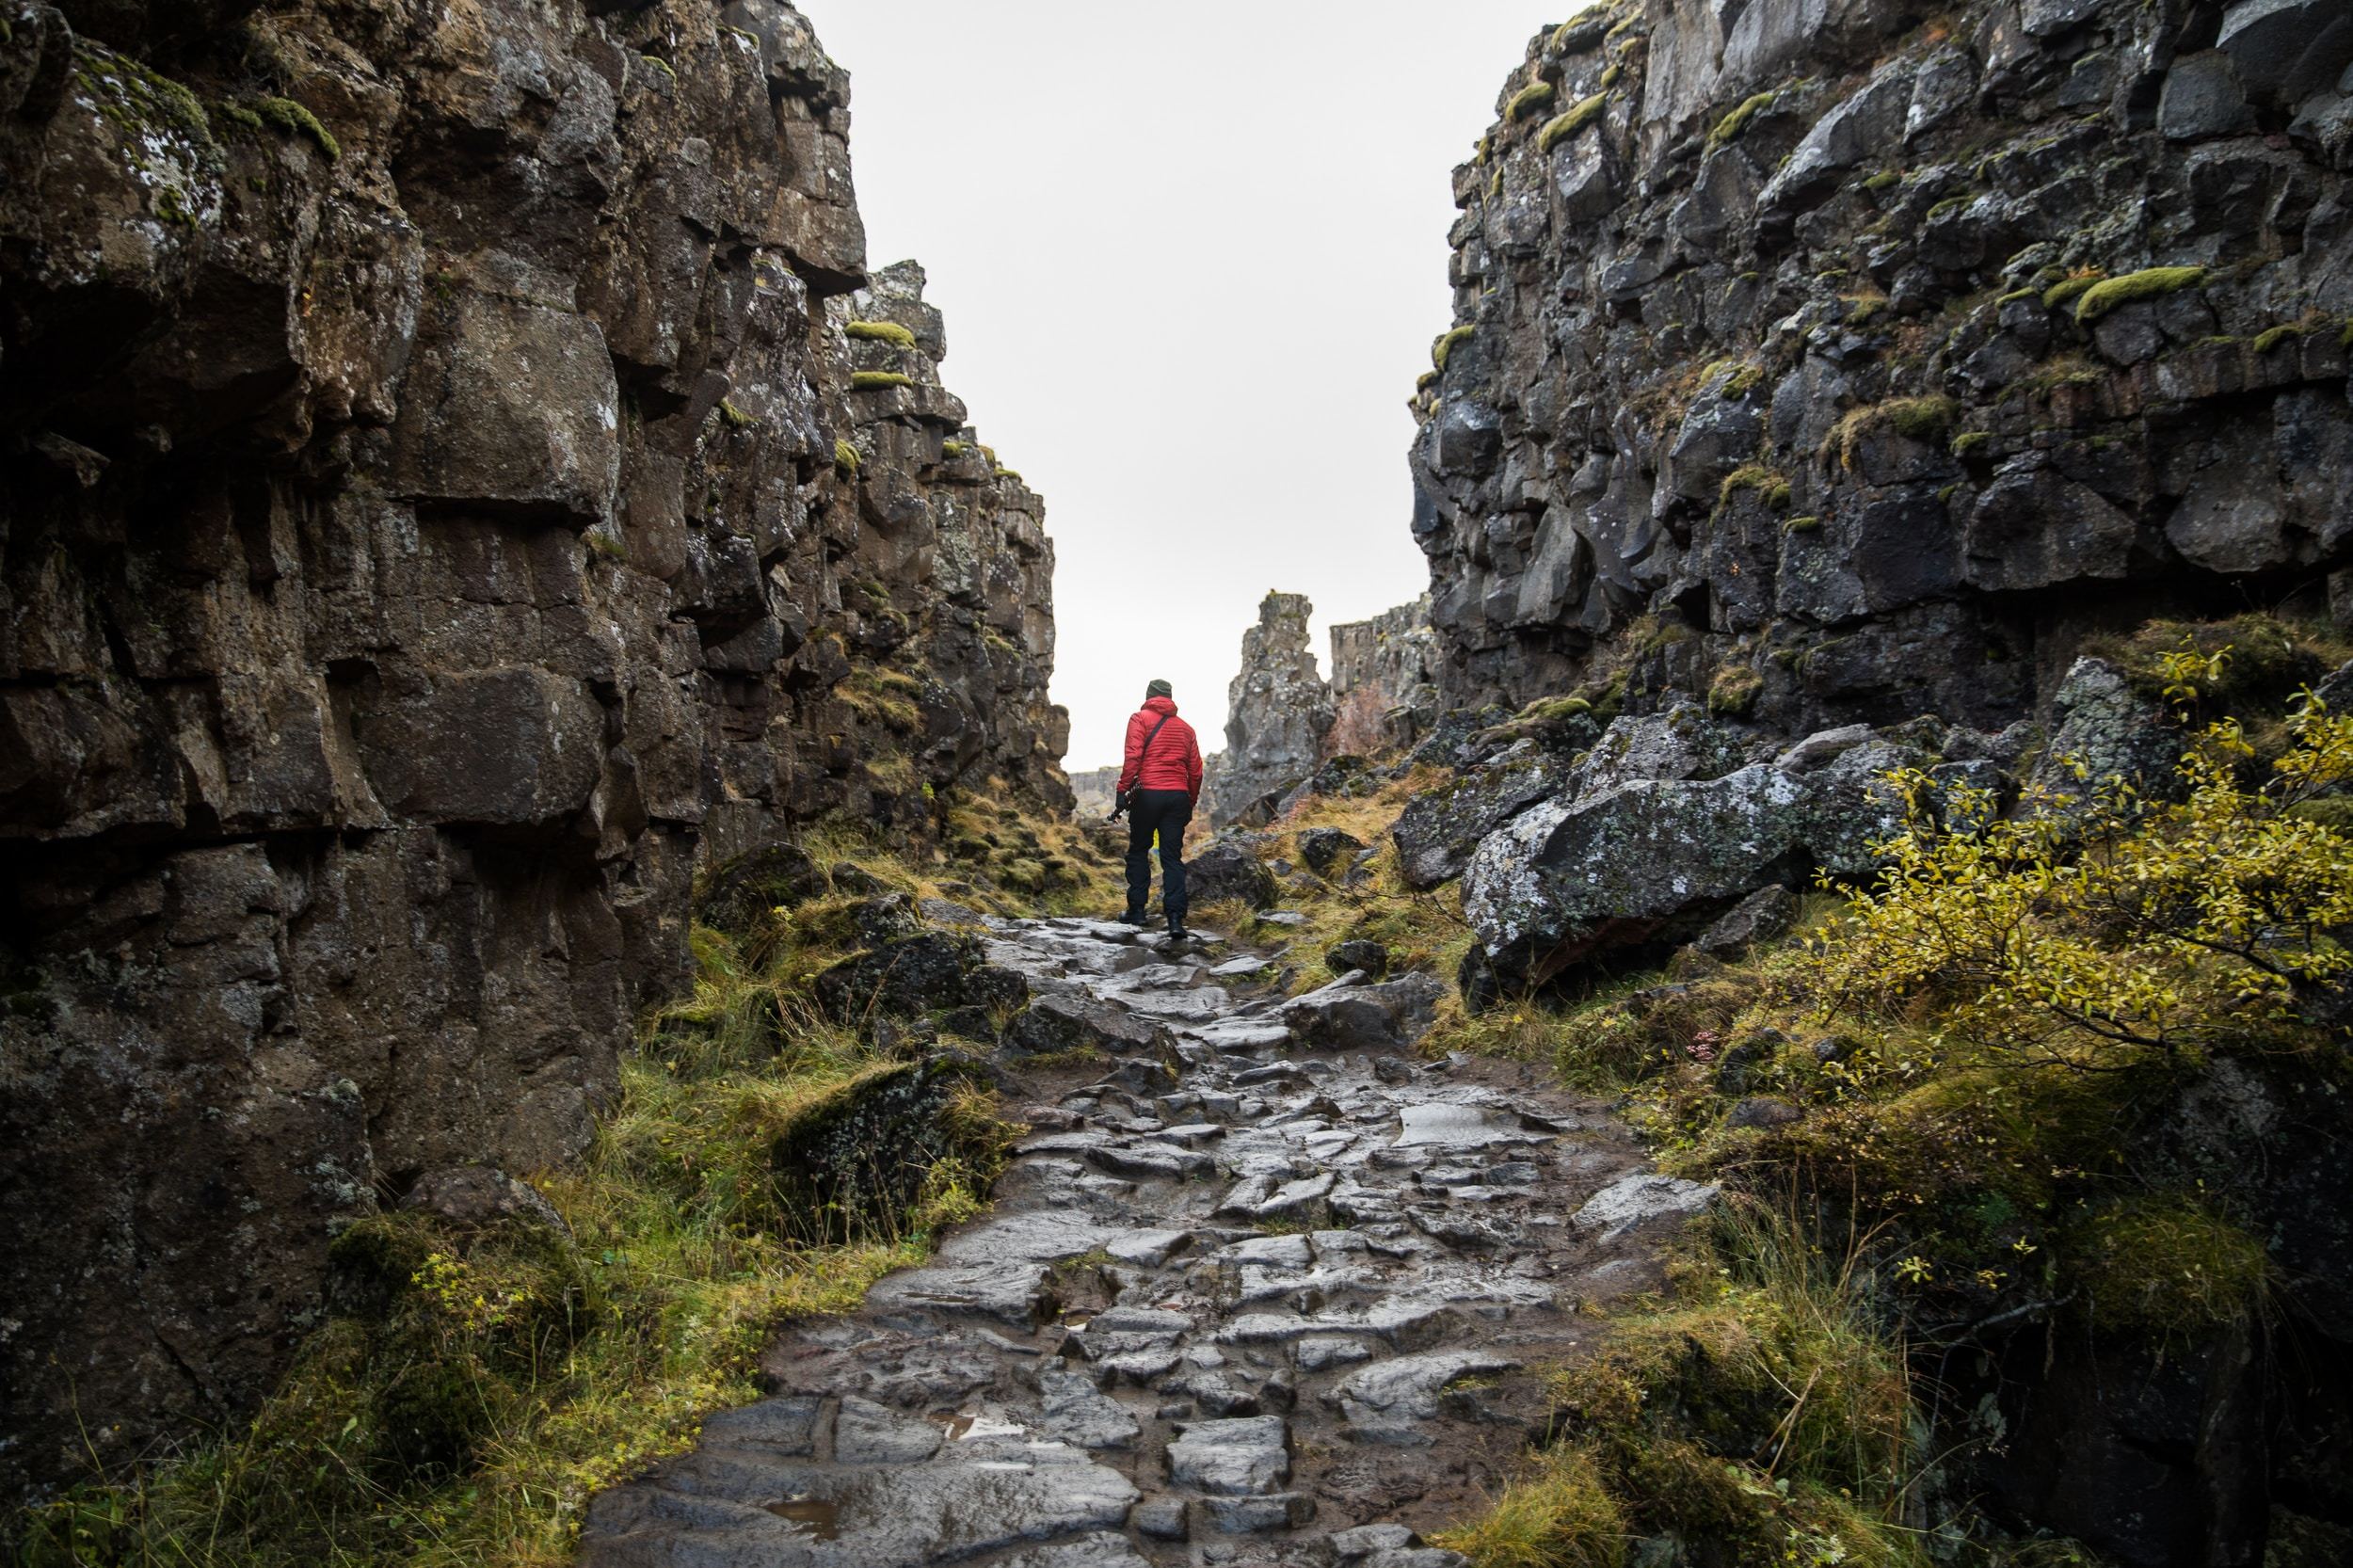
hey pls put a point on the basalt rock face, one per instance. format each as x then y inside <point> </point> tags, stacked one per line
<point>1880,350</point>
<point>443,500</point>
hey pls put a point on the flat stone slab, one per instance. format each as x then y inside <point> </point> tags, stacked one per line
<point>974,1497</point>
<point>1637,1200</point>
<point>1237,1458</point>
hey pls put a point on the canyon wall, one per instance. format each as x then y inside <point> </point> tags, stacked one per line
<point>456,476</point>
<point>1856,357</point>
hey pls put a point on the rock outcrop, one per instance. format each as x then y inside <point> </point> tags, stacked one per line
<point>1857,358</point>
<point>1284,721</point>
<point>456,475</point>
<point>1278,708</point>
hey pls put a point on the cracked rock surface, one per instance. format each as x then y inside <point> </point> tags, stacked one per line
<point>1281,1305</point>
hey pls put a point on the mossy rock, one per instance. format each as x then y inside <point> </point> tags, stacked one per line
<point>855,1162</point>
<point>737,896</point>
<point>1529,101</point>
<point>880,331</point>
<point>1728,130</point>
<point>878,380</point>
<point>1443,349</point>
<point>292,118</point>
<point>2155,282</point>
<point>1562,127</point>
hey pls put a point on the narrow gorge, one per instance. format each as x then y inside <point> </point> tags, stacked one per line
<point>1792,1009</point>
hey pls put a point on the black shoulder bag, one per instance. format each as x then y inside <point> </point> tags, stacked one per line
<point>1125,798</point>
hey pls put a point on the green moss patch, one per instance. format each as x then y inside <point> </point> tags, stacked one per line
<point>1727,130</point>
<point>1561,127</point>
<point>880,331</point>
<point>292,118</point>
<point>878,380</point>
<point>2134,287</point>
<point>845,458</point>
<point>1525,103</point>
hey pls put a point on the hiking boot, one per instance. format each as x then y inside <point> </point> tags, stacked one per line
<point>1133,917</point>
<point>1177,931</point>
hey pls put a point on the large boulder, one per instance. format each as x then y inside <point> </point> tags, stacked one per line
<point>1053,1025</point>
<point>1229,868</point>
<point>1650,861</point>
<point>2106,732</point>
<point>1352,1015</point>
<point>1439,829</point>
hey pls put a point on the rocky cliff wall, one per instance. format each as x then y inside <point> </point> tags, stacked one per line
<point>456,475</point>
<point>1854,357</point>
<point>1385,681</point>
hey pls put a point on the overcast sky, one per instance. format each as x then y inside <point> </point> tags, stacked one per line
<point>1191,260</point>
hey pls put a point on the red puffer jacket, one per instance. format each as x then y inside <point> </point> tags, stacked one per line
<point>1175,760</point>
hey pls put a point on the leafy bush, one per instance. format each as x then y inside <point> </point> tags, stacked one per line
<point>2106,923</point>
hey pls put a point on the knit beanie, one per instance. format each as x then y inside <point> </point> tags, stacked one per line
<point>1160,688</point>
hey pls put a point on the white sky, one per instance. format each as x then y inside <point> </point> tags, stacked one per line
<point>1191,260</point>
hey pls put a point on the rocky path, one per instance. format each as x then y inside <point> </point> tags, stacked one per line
<point>1264,1288</point>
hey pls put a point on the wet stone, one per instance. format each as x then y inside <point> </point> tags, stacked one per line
<point>1262,1277</point>
<point>1232,1458</point>
<point>1083,1416</point>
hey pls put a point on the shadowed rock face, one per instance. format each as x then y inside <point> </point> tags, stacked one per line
<point>425,539</point>
<point>1790,342</point>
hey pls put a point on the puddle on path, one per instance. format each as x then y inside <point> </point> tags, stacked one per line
<point>819,1517</point>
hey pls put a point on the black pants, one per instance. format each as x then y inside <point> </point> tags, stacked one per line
<point>1166,813</point>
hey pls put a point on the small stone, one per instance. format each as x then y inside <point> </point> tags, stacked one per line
<point>1161,1519</point>
<point>1371,958</point>
<point>1277,1510</point>
<point>1762,1111</point>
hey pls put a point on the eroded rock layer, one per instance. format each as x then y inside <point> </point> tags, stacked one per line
<point>1879,348</point>
<point>457,474</point>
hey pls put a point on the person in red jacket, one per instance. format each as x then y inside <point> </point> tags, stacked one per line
<point>1163,769</point>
